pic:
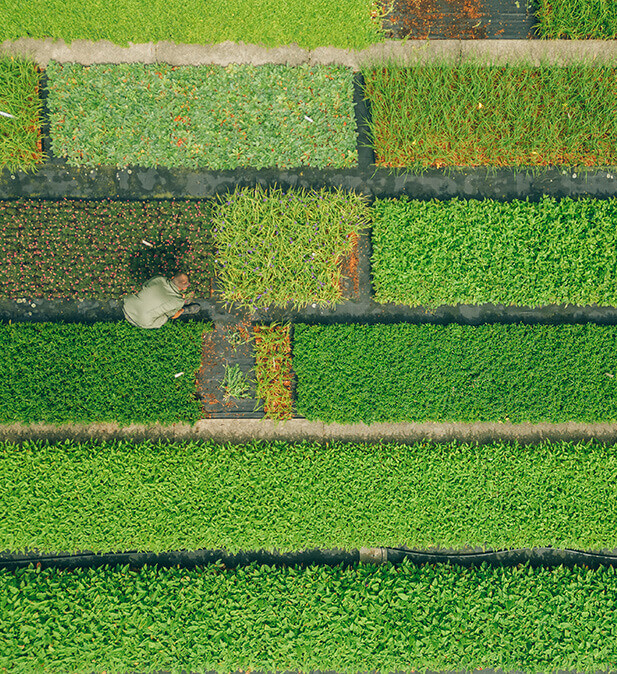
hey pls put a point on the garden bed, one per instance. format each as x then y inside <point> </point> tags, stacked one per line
<point>20,134</point>
<point>470,115</point>
<point>157,497</point>
<point>59,373</point>
<point>402,372</point>
<point>202,116</point>
<point>577,19</point>
<point>475,252</point>
<point>362,618</point>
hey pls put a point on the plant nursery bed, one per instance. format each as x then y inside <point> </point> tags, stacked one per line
<point>510,373</point>
<point>285,497</point>
<point>577,19</point>
<point>459,19</point>
<point>202,116</point>
<point>311,619</point>
<point>471,115</point>
<point>59,373</point>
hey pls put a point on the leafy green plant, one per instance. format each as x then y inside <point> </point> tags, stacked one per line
<point>235,384</point>
<point>54,372</point>
<point>429,253</point>
<point>63,498</point>
<point>404,372</point>
<point>350,24</point>
<point>20,133</point>
<point>577,19</point>
<point>361,618</point>
<point>275,247</point>
<point>273,370</point>
<point>202,116</point>
<point>479,115</point>
<point>101,249</point>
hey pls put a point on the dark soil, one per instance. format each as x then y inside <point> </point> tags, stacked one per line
<point>459,19</point>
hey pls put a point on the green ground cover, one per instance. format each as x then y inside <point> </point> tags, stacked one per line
<point>275,246</point>
<point>362,618</point>
<point>404,372</point>
<point>96,249</point>
<point>56,372</point>
<point>577,19</point>
<point>430,253</point>
<point>20,135</point>
<point>202,116</point>
<point>309,23</point>
<point>115,496</point>
<point>471,115</point>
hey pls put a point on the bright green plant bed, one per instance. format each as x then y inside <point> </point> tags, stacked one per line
<point>470,252</point>
<point>275,247</point>
<point>202,116</point>
<point>404,372</point>
<point>475,115</point>
<point>276,496</point>
<point>577,19</point>
<point>357,619</point>
<point>309,23</point>
<point>20,135</point>
<point>101,249</point>
<point>54,372</point>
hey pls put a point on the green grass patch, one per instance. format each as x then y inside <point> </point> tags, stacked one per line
<point>202,116</point>
<point>309,23</point>
<point>56,373</point>
<point>362,618</point>
<point>430,253</point>
<point>404,372</point>
<point>477,115</point>
<point>275,496</point>
<point>276,247</point>
<point>577,19</point>
<point>20,135</point>
<point>101,249</point>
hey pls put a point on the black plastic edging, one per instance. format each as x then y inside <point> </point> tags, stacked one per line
<point>536,557</point>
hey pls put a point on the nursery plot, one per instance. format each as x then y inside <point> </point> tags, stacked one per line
<point>458,19</point>
<point>273,371</point>
<point>404,372</point>
<point>471,115</point>
<point>578,19</point>
<point>20,121</point>
<point>288,497</point>
<point>362,618</point>
<point>278,247</point>
<point>202,116</point>
<point>101,249</point>
<point>517,253</point>
<point>309,23</point>
<point>55,373</point>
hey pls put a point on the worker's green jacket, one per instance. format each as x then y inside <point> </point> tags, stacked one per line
<point>158,300</point>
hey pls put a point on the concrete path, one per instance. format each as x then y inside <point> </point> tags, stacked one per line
<point>86,52</point>
<point>297,430</point>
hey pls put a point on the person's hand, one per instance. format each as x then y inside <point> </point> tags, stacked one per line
<point>188,296</point>
<point>177,313</point>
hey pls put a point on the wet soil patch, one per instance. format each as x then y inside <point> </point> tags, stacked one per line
<point>460,19</point>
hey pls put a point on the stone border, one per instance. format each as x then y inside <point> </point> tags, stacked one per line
<point>87,52</point>
<point>237,431</point>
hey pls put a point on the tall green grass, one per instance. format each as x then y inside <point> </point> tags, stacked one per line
<point>577,19</point>
<point>517,253</point>
<point>20,135</point>
<point>478,115</point>
<point>358,619</point>
<point>276,496</point>
<point>309,23</point>
<point>56,372</point>
<point>404,372</point>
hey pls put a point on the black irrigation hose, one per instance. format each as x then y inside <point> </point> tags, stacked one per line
<point>537,557</point>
